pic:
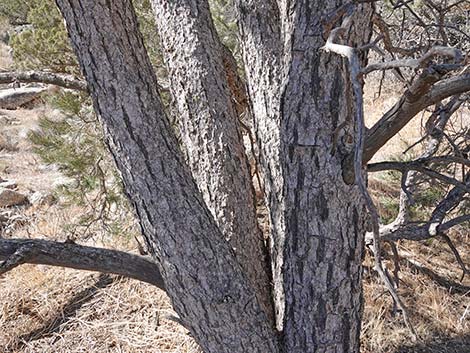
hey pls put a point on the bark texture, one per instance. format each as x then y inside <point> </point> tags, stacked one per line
<point>317,218</point>
<point>209,126</point>
<point>202,276</point>
<point>262,52</point>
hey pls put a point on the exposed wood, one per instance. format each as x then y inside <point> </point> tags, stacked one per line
<point>13,98</point>
<point>15,252</point>
<point>415,63</point>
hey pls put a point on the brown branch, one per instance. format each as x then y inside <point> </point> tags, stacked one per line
<point>423,93</point>
<point>65,81</point>
<point>417,232</point>
<point>418,163</point>
<point>420,166</point>
<point>456,253</point>
<point>15,252</point>
<point>452,286</point>
<point>388,44</point>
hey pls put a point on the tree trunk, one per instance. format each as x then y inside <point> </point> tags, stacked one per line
<point>209,127</point>
<point>317,218</point>
<point>304,121</point>
<point>202,276</point>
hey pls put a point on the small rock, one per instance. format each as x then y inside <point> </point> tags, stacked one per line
<point>8,185</point>
<point>11,198</point>
<point>42,199</point>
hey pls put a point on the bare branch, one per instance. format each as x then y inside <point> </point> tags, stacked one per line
<point>15,252</point>
<point>383,29</point>
<point>422,94</point>
<point>65,81</point>
<point>418,163</point>
<point>416,63</point>
<point>354,69</point>
<point>456,253</point>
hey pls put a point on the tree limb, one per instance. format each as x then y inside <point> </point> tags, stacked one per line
<point>15,252</point>
<point>418,163</point>
<point>423,93</point>
<point>415,63</point>
<point>65,81</point>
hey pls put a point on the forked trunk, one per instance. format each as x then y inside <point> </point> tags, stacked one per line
<point>303,117</point>
<point>207,286</point>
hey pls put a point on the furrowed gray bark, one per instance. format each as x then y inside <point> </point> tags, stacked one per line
<point>317,218</point>
<point>324,215</point>
<point>209,127</point>
<point>79,257</point>
<point>207,286</point>
<point>260,31</point>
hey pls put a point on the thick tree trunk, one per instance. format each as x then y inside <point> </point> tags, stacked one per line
<point>303,114</point>
<point>202,276</point>
<point>209,127</point>
<point>317,218</point>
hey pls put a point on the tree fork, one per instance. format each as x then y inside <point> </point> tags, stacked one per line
<point>205,282</point>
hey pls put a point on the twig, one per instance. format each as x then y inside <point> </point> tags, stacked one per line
<point>456,254</point>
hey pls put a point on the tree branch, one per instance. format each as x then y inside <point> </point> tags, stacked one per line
<point>65,81</point>
<point>423,93</point>
<point>415,63</point>
<point>418,163</point>
<point>15,252</point>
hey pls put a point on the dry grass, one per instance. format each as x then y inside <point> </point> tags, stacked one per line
<point>59,310</point>
<point>439,312</point>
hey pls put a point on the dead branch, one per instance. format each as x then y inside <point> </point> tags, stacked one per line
<point>418,163</point>
<point>423,93</point>
<point>14,98</point>
<point>416,63</point>
<point>50,78</point>
<point>354,70</point>
<point>453,287</point>
<point>456,253</point>
<point>416,232</point>
<point>15,252</point>
<point>388,44</point>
